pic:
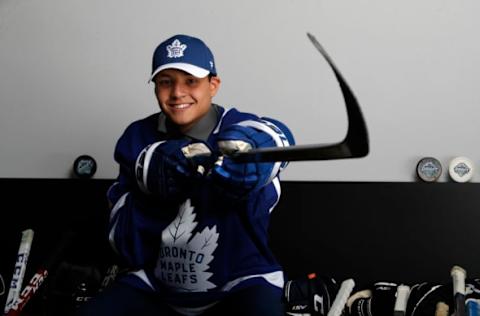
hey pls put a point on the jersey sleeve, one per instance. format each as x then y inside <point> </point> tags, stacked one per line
<point>133,220</point>
<point>279,132</point>
<point>282,135</point>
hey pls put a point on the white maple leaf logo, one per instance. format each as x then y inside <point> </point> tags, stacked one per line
<point>183,261</point>
<point>176,49</point>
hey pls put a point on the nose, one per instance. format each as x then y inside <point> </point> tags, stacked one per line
<point>177,91</point>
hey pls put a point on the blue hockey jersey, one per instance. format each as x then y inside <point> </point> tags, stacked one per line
<point>193,251</point>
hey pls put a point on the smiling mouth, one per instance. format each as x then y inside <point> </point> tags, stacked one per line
<point>180,106</point>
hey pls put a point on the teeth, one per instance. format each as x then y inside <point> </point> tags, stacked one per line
<point>181,106</point>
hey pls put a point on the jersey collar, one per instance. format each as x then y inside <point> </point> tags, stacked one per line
<point>201,130</point>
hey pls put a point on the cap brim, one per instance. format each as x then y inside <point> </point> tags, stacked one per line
<point>191,69</point>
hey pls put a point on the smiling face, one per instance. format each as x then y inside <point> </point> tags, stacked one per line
<point>183,98</point>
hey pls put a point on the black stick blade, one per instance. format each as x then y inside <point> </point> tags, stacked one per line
<point>354,145</point>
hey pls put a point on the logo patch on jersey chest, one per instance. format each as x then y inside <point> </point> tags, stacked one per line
<point>183,260</point>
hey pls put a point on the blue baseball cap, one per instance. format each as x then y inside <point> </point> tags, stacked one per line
<point>186,53</point>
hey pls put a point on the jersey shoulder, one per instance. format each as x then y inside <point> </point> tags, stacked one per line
<point>137,135</point>
<point>234,116</point>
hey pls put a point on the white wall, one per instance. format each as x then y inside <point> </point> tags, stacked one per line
<point>73,74</point>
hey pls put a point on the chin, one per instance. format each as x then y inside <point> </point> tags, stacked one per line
<point>183,124</point>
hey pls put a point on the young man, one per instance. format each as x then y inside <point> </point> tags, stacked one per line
<point>190,223</point>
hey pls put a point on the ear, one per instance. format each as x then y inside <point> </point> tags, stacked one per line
<point>214,85</point>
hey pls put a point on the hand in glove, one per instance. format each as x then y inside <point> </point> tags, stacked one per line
<point>239,179</point>
<point>166,168</point>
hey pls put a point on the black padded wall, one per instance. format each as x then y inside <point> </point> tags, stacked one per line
<point>53,207</point>
<point>368,231</point>
<point>401,232</point>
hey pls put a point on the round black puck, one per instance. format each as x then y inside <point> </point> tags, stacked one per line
<point>84,166</point>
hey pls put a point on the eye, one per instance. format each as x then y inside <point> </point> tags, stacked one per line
<point>191,81</point>
<point>164,82</point>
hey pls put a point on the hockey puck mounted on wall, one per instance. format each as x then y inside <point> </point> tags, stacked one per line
<point>461,169</point>
<point>84,166</point>
<point>429,169</point>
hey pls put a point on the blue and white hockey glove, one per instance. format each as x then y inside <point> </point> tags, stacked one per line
<point>239,179</point>
<point>165,168</point>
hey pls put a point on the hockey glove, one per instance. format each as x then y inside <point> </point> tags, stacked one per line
<point>239,179</point>
<point>166,168</point>
<point>425,297</point>
<point>377,301</point>
<point>310,295</point>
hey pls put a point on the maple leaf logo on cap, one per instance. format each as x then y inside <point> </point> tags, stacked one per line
<point>176,49</point>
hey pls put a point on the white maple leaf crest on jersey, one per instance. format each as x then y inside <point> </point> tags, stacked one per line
<point>176,49</point>
<point>183,261</point>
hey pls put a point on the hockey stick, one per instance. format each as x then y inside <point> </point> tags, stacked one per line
<point>354,145</point>
<point>20,268</point>
<point>40,275</point>
<point>341,298</point>
<point>458,279</point>
<point>400,307</point>
<point>2,285</point>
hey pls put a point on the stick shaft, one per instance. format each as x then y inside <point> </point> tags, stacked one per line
<point>20,268</point>
<point>400,307</point>
<point>341,298</point>
<point>458,280</point>
<point>39,277</point>
<point>35,282</point>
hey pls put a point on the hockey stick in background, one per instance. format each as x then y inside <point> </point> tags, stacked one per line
<point>400,307</point>
<point>2,285</point>
<point>458,275</point>
<point>341,298</point>
<point>20,268</point>
<point>354,145</point>
<point>41,274</point>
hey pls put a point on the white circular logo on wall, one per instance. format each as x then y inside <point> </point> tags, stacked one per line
<point>461,169</point>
